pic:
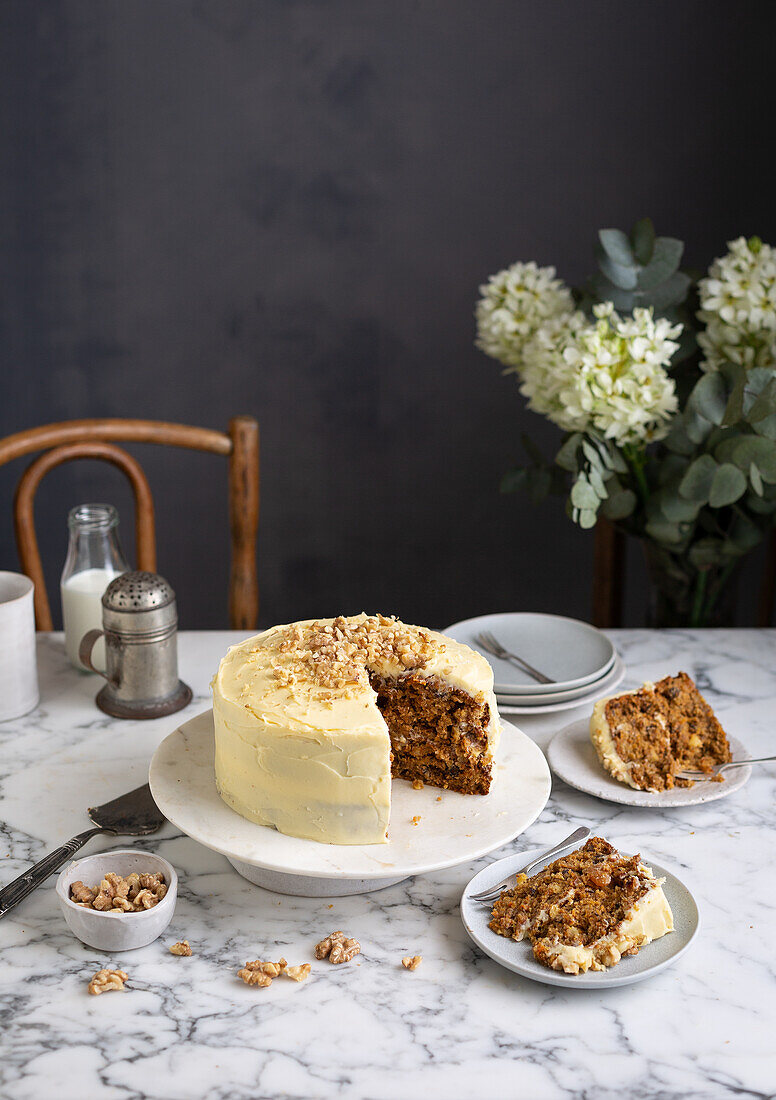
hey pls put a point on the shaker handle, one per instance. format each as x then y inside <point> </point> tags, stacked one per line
<point>85,648</point>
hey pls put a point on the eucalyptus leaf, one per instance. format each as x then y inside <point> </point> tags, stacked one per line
<point>696,426</point>
<point>604,290</point>
<point>566,457</point>
<point>617,245</point>
<point>597,483</point>
<point>663,531</point>
<point>756,480</point>
<point>587,518</point>
<point>677,439</point>
<point>706,553</point>
<point>666,257</point>
<point>764,404</point>
<point>643,240</point>
<point>728,485</point>
<point>583,495</point>
<point>709,397</point>
<point>745,535</point>
<point>619,504</point>
<point>748,449</point>
<point>670,293</point>
<point>593,455</point>
<point>696,483</point>
<point>766,427</point>
<point>618,274</point>
<point>678,509</point>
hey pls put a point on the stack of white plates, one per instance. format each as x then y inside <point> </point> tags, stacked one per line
<point>580,660</point>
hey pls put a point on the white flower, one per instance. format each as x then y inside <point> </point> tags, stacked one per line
<point>738,307</point>
<point>515,304</point>
<point>609,377</point>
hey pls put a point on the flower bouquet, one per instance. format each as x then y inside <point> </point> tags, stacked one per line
<point>664,384</point>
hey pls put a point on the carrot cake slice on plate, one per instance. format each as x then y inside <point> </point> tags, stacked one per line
<point>585,910</point>
<point>644,737</point>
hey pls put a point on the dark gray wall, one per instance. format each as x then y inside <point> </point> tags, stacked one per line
<point>284,208</point>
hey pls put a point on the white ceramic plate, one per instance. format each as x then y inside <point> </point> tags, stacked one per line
<point>601,688</point>
<point>518,957</point>
<point>456,829</point>
<point>573,653</point>
<point>574,760</point>
<point>518,699</point>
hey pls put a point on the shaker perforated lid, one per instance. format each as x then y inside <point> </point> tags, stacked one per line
<point>137,591</point>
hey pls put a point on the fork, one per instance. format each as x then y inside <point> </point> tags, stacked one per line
<point>691,773</point>
<point>487,896</point>
<point>496,649</point>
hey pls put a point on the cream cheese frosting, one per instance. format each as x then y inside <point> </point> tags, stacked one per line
<point>306,750</point>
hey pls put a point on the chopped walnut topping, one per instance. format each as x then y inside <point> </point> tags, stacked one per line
<point>133,894</point>
<point>412,962</point>
<point>417,784</point>
<point>338,948</point>
<point>254,977</point>
<point>298,973</point>
<point>416,819</point>
<point>336,654</point>
<point>182,947</point>
<point>105,980</point>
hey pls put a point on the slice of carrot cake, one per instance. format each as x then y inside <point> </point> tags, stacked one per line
<point>644,737</point>
<point>585,910</point>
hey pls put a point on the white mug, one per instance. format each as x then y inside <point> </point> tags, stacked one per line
<point>18,663</point>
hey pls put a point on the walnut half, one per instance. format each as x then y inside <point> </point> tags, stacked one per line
<point>105,980</point>
<point>338,948</point>
<point>180,948</point>
<point>412,962</point>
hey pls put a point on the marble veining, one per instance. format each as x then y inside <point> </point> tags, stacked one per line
<point>459,1026</point>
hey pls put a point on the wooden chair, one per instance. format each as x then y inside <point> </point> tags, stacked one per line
<point>609,578</point>
<point>94,439</point>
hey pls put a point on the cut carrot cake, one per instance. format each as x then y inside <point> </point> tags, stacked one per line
<point>586,910</point>
<point>312,720</point>
<point>645,737</point>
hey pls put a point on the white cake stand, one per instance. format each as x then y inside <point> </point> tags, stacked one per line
<point>452,828</point>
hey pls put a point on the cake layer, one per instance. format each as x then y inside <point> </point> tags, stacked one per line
<point>302,745</point>
<point>586,910</point>
<point>644,737</point>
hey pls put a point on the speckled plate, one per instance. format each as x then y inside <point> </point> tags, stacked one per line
<point>452,828</point>
<point>650,960</point>
<point>574,760</point>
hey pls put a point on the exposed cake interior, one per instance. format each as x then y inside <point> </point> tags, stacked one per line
<point>644,737</point>
<point>586,910</point>
<point>439,734</point>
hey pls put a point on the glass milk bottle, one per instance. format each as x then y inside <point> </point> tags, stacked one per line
<point>94,558</point>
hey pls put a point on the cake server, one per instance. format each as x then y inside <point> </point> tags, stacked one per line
<point>487,896</point>
<point>132,814</point>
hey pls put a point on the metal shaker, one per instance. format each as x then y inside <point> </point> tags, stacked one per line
<point>139,624</point>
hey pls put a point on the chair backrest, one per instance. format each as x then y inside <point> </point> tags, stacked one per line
<point>609,578</point>
<point>77,439</point>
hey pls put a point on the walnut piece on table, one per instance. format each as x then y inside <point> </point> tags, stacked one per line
<point>338,948</point>
<point>412,962</point>
<point>105,980</point>
<point>417,784</point>
<point>298,973</point>
<point>182,948</point>
<point>261,973</point>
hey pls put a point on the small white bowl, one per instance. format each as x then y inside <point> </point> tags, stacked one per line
<point>114,931</point>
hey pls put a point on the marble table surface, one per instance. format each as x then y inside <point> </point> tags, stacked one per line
<point>459,1026</point>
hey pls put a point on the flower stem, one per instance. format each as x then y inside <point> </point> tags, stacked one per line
<point>636,460</point>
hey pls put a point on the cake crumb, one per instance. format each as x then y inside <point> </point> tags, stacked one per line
<point>416,819</point>
<point>439,798</point>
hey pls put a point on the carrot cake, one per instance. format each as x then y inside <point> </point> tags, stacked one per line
<point>313,718</point>
<point>644,737</point>
<point>586,910</point>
